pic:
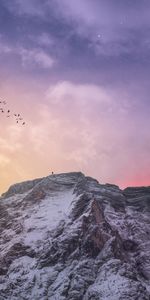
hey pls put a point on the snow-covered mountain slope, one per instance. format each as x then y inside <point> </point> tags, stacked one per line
<point>67,237</point>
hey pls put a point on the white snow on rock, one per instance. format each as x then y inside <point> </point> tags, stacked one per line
<point>46,215</point>
<point>67,237</point>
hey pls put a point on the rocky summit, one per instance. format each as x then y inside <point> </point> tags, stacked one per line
<point>68,237</point>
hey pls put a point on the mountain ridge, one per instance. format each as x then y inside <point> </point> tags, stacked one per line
<point>32,182</point>
<point>66,236</point>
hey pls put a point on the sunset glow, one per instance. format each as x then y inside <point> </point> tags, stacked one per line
<point>78,72</point>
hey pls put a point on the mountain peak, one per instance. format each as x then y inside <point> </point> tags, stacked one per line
<point>66,236</point>
<point>22,187</point>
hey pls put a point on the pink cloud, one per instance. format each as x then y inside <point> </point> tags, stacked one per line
<point>74,127</point>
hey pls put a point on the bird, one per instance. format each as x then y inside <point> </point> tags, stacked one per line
<point>3,102</point>
<point>17,116</point>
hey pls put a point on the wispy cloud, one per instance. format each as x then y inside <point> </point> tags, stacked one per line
<point>30,58</point>
<point>28,7</point>
<point>106,28</point>
<point>95,115</point>
<point>86,99</point>
<point>76,127</point>
<point>35,57</point>
<point>4,160</point>
<point>110,29</point>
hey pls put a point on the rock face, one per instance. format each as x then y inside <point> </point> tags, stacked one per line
<point>67,237</point>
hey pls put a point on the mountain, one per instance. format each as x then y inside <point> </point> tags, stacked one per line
<point>68,237</point>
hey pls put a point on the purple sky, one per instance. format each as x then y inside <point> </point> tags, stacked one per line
<point>79,72</point>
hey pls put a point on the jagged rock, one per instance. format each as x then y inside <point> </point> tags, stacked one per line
<point>67,237</point>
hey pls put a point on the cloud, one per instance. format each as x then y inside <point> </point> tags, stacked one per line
<point>11,143</point>
<point>4,160</point>
<point>82,93</point>
<point>30,58</point>
<point>103,28</point>
<point>104,13</point>
<point>98,127</point>
<point>36,57</point>
<point>86,99</point>
<point>28,7</point>
<point>5,49</point>
<point>110,29</point>
<point>65,129</point>
<point>75,127</point>
<point>44,40</point>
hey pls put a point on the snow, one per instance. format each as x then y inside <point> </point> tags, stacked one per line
<point>46,216</point>
<point>48,274</point>
<point>109,284</point>
<point>37,220</point>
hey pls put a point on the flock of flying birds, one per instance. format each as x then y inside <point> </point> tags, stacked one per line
<point>7,112</point>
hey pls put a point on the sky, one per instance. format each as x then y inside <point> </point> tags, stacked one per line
<point>78,72</point>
